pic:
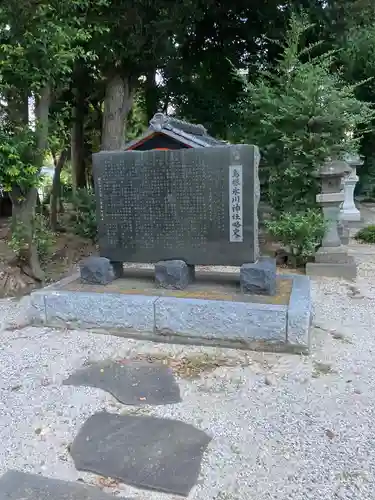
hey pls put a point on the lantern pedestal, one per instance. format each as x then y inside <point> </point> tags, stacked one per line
<point>349,212</point>
<point>332,258</point>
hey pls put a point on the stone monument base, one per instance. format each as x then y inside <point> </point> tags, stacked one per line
<point>213,311</point>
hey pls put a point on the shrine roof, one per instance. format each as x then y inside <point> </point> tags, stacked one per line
<point>182,131</point>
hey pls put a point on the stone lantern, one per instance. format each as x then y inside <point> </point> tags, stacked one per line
<point>332,258</point>
<point>349,212</point>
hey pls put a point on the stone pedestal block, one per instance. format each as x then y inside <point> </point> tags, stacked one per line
<point>259,278</point>
<point>343,232</point>
<point>98,270</point>
<point>334,263</point>
<point>332,258</point>
<point>349,212</point>
<point>118,269</point>
<point>344,271</point>
<point>174,274</point>
<point>338,255</point>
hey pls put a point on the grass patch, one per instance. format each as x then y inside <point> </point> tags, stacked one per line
<point>190,367</point>
<point>135,411</point>
<point>366,234</point>
<point>322,369</point>
<point>340,336</point>
<point>225,496</point>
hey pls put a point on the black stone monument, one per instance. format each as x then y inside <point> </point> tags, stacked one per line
<point>196,205</point>
<point>178,208</point>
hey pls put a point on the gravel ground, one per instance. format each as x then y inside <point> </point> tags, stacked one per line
<point>283,426</point>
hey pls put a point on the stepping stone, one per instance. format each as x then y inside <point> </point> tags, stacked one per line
<point>15,485</point>
<point>130,382</point>
<point>142,451</point>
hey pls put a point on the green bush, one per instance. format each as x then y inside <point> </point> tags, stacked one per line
<point>299,114</point>
<point>366,234</point>
<point>301,233</point>
<point>84,214</point>
<point>43,237</point>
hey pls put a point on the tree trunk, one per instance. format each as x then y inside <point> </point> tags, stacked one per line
<point>117,104</point>
<point>22,228</point>
<point>24,204</point>
<point>78,140</point>
<point>55,201</point>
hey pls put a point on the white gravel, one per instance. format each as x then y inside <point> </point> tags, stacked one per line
<point>283,427</point>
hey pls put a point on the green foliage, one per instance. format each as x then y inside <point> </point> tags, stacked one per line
<point>43,238</point>
<point>204,98</point>
<point>366,234</point>
<point>357,58</point>
<point>300,232</point>
<point>84,215</point>
<point>300,113</point>
<point>357,41</point>
<point>137,120</point>
<point>41,41</point>
<point>358,54</point>
<point>16,167</point>
<point>66,182</point>
<point>132,36</point>
<point>197,70</point>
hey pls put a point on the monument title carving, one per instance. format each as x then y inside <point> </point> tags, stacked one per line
<point>182,204</point>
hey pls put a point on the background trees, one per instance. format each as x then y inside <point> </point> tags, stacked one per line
<point>300,113</point>
<point>79,75</point>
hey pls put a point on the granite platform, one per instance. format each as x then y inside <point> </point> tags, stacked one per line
<point>211,312</point>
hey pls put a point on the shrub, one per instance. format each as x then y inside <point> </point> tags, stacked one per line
<point>301,233</point>
<point>366,234</point>
<point>84,214</point>
<point>43,237</point>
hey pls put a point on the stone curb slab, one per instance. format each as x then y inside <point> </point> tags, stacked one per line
<point>220,320</point>
<point>300,312</point>
<point>182,320</point>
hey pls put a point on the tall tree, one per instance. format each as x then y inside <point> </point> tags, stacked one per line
<point>199,82</point>
<point>352,31</point>
<point>37,47</point>
<point>131,41</point>
<point>300,113</point>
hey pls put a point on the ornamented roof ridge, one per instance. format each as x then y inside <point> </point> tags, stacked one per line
<point>160,121</point>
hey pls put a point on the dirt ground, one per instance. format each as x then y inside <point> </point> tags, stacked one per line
<point>67,251</point>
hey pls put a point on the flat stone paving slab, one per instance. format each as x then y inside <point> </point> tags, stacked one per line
<point>15,485</point>
<point>142,451</point>
<point>130,382</point>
